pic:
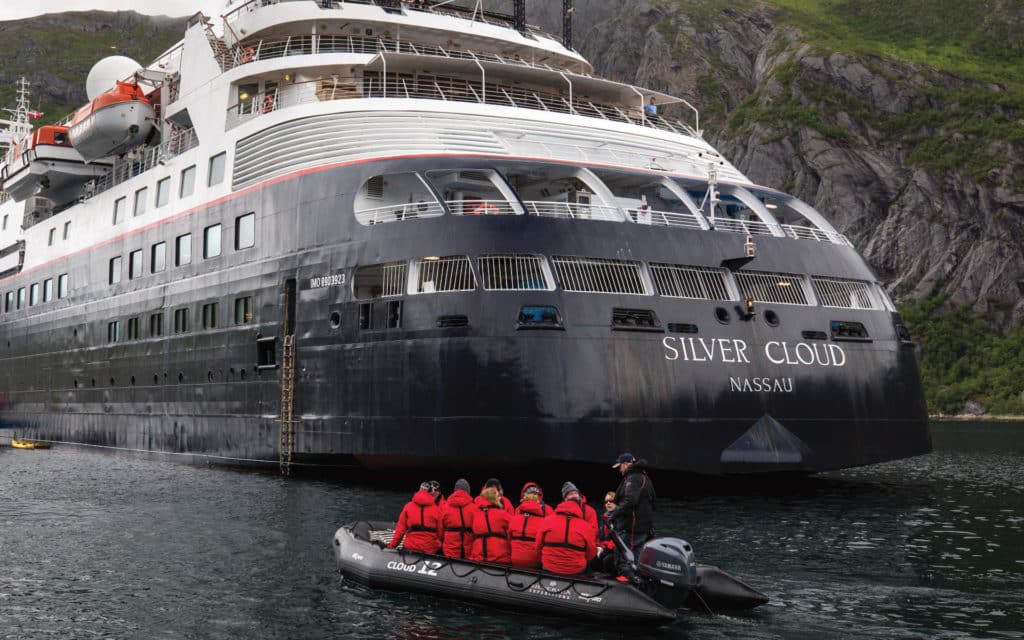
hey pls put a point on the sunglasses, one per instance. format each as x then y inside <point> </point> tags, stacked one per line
<point>609,502</point>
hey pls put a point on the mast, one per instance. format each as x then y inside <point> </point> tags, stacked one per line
<point>18,127</point>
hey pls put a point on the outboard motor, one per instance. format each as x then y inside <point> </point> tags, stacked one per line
<point>667,569</point>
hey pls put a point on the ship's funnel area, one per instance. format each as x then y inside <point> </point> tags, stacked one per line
<point>105,74</point>
<point>766,442</point>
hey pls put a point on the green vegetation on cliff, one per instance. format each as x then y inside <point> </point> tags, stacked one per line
<point>963,359</point>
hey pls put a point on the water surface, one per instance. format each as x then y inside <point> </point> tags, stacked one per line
<point>116,546</point>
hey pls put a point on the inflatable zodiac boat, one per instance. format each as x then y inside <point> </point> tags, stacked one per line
<point>668,579</point>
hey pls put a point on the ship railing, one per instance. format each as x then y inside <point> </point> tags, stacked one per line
<point>482,207</point>
<point>800,232</point>
<point>748,227</point>
<point>398,212</point>
<point>484,17</point>
<point>572,210</point>
<point>134,163</point>
<point>445,89</point>
<point>658,218</point>
<point>247,52</point>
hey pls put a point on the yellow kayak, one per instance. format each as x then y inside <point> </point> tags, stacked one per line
<point>28,444</point>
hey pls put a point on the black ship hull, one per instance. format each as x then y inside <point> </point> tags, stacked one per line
<point>458,377</point>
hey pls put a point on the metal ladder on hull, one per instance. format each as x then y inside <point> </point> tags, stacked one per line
<point>287,447</point>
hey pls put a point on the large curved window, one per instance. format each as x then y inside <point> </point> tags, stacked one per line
<point>765,286</point>
<point>474,192</point>
<point>435,274</point>
<point>513,272</point>
<point>599,275</point>
<point>395,197</point>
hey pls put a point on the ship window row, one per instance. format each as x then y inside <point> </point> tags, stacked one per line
<point>51,238</point>
<point>579,193</point>
<point>140,200</point>
<point>531,272</point>
<point>37,293</point>
<point>245,238</point>
<point>181,320</point>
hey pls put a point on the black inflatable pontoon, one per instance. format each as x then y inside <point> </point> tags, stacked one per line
<point>669,578</point>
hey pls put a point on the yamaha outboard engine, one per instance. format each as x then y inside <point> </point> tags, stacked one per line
<point>667,569</point>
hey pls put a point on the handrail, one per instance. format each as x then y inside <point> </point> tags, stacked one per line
<point>396,213</point>
<point>481,207</point>
<point>658,218</point>
<point>454,90</point>
<point>127,167</point>
<point>572,210</point>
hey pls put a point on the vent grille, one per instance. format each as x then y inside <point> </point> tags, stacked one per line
<point>844,294</point>
<point>450,273</point>
<point>635,320</point>
<point>375,187</point>
<point>700,283</point>
<point>599,275</point>
<point>682,327</point>
<point>447,322</point>
<point>764,286</point>
<point>512,272</point>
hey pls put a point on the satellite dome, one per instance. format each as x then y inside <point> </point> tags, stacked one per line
<point>105,73</point>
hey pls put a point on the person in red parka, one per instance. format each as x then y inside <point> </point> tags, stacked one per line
<point>439,499</point>
<point>522,530</point>
<point>545,510</point>
<point>419,524</point>
<point>565,540</point>
<point>457,521</point>
<point>490,529</point>
<point>589,515</point>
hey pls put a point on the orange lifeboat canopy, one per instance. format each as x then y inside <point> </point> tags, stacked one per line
<point>52,135</point>
<point>113,122</point>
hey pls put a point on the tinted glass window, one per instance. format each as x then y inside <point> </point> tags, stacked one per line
<point>245,231</point>
<point>163,192</point>
<point>183,250</point>
<point>188,182</point>
<point>211,241</point>
<point>158,257</point>
<point>216,175</point>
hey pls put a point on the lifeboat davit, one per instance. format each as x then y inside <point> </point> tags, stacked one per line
<point>46,164</point>
<point>113,123</point>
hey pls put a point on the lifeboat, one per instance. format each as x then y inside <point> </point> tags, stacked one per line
<point>29,444</point>
<point>113,122</point>
<point>46,164</point>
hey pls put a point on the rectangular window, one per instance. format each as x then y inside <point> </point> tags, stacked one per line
<point>188,182</point>
<point>9,302</point>
<point>158,257</point>
<point>183,250</point>
<point>119,206</point>
<point>156,324</point>
<point>211,241</point>
<point>52,237</point>
<point>243,310</point>
<point>133,328</point>
<point>216,174</point>
<point>245,231</point>
<point>62,286</point>
<point>47,289</point>
<point>67,230</point>
<point>115,270</point>
<point>33,294</point>
<point>163,192</point>
<point>21,297</point>
<point>114,331</point>
<point>181,320</point>
<point>210,315</point>
<point>5,223</point>
<point>140,201</point>
<point>135,268</point>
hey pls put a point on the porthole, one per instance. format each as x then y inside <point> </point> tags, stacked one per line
<point>722,315</point>
<point>335,319</point>
<point>771,318</point>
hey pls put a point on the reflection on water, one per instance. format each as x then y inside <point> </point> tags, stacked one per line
<point>116,546</point>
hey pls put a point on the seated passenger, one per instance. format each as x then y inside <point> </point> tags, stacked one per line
<point>435,490</point>
<point>565,540</point>
<point>419,524</point>
<point>544,509</point>
<point>490,529</point>
<point>589,515</point>
<point>605,560</point>
<point>522,530</point>
<point>506,504</point>
<point>457,521</point>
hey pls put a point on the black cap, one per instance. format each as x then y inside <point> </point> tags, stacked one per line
<point>462,484</point>
<point>623,457</point>
<point>492,482</point>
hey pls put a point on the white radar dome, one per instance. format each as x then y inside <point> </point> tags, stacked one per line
<point>105,73</point>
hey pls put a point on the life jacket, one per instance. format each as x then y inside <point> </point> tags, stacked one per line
<point>419,525</point>
<point>457,522</point>
<point>490,533</point>
<point>566,541</point>
<point>522,534</point>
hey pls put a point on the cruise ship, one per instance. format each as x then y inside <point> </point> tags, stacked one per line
<point>422,235</point>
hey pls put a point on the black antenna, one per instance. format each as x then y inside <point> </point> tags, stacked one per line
<point>567,23</point>
<point>520,16</point>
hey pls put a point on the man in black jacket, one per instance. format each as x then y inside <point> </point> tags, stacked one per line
<point>633,517</point>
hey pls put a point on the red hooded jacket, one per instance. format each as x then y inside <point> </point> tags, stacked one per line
<point>490,533</point>
<point>419,524</point>
<point>566,540</point>
<point>457,521</point>
<point>522,534</point>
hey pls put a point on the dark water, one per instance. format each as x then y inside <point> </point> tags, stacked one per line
<point>113,546</point>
